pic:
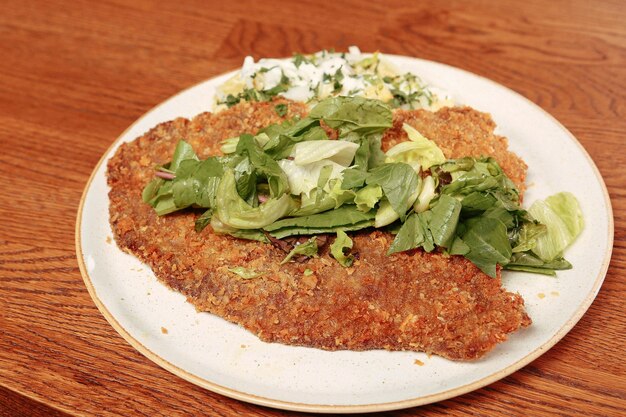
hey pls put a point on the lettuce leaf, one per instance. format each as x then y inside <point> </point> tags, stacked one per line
<point>233,211</point>
<point>563,219</point>
<point>304,178</point>
<point>340,249</point>
<point>245,273</point>
<point>367,198</point>
<point>418,148</point>
<point>427,193</point>
<point>340,152</point>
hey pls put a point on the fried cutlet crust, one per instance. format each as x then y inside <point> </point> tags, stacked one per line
<point>409,301</point>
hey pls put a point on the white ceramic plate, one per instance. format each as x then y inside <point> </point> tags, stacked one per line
<point>227,359</point>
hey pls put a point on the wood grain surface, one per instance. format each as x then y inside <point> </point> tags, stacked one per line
<point>75,74</point>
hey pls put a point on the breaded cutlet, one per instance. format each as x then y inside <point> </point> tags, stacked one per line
<point>416,301</point>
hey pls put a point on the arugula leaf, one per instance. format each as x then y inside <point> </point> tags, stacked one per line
<point>488,244</point>
<point>309,248</point>
<point>398,181</point>
<point>340,249</point>
<point>151,191</point>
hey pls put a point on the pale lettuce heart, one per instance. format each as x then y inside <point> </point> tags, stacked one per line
<point>338,151</point>
<point>304,178</point>
<point>418,149</point>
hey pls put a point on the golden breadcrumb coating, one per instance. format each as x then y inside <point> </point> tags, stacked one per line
<point>417,301</point>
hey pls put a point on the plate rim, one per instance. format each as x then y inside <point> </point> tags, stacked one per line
<point>330,408</point>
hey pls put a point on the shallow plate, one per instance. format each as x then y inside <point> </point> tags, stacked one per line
<point>227,359</point>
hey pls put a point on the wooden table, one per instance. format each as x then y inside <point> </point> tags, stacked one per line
<point>73,76</point>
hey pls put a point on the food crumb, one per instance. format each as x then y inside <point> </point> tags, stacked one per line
<point>164,330</point>
<point>555,293</point>
<point>108,240</point>
<point>243,346</point>
<point>418,362</point>
<point>541,295</point>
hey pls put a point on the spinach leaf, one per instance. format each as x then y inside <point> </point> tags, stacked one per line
<point>398,181</point>
<point>425,218</point>
<point>488,244</point>
<point>353,114</point>
<point>297,231</point>
<point>344,215</point>
<point>369,155</point>
<point>444,220</point>
<point>410,235</point>
<point>196,183</point>
<point>458,247</point>
<point>353,178</point>
<point>182,152</point>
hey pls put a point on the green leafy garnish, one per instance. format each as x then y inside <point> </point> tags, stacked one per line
<point>281,109</point>
<point>245,273</point>
<point>290,179</point>
<point>563,219</point>
<point>398,181</point>
<point>309,249</point>
<point>340,249</point>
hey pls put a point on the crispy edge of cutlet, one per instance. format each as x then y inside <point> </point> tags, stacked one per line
<point>408,301</point>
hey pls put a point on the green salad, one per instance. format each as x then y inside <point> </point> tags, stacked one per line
<point>291,179</point>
